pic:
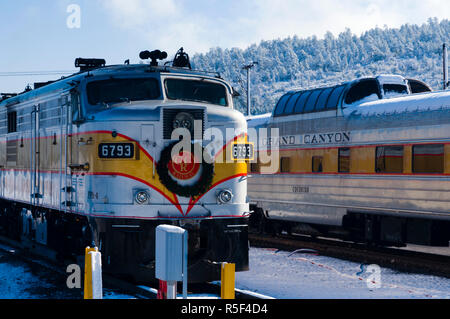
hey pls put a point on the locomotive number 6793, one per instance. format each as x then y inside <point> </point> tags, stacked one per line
<point>116,150</point>
<point>243,151</point>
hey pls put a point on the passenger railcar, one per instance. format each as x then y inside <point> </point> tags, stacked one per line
<point>88,159</point>
<point>368,160</point>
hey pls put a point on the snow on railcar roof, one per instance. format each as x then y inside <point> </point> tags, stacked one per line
<point>412,103</point>
<point>391,79</point>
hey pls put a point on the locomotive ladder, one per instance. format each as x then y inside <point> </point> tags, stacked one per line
<point>66,189</point>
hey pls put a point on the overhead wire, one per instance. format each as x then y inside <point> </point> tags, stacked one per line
<point>35,73</point>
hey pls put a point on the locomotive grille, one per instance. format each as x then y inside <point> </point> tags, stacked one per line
<point>170,114</point>
<point>11,152</point>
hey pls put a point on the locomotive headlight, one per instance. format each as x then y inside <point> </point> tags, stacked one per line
<point>142,198</point>
<point>186,124</point>
<point>225,196</point>
<point>183,120</point>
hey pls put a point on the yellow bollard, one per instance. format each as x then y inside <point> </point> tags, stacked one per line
<point>88,285</point>
<point>228,279</point>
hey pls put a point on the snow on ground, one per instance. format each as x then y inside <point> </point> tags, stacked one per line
<point>22,280</point>
<point>284,275</point>
<point>273,273</point>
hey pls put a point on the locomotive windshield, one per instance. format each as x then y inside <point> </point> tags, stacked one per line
<point>197,91</point>
<point>122,90</point>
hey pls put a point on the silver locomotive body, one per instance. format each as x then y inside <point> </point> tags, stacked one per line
<point>79,163</point>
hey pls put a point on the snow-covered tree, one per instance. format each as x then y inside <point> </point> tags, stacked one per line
<point>295,63</point>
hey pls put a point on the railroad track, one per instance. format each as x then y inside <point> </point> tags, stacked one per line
<point>44,257</point>
<point>394,258</point>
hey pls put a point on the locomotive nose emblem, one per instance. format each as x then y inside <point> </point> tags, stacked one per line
<point>184,174</point>
<point>183,166</point>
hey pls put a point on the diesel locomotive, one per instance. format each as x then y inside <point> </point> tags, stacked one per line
<point>93,157</point>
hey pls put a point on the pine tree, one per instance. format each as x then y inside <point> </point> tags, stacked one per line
<point>294,63</point>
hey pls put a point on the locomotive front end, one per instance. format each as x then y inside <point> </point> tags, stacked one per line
<point>161,146</point>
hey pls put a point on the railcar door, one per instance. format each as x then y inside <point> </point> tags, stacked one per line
<point>35,152</point>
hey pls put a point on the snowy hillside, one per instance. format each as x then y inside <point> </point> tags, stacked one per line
<point>285,64</point>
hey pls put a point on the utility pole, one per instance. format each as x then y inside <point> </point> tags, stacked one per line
<point>248,67</point>
<point>445,66</point>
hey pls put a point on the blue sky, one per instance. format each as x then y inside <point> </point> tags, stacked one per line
<point>35,36</point>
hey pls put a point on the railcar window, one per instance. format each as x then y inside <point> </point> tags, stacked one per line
<point>334,97</point>
<point>311,103</point>
<point>300,105</point>
<point>279,109</point>
<point>344,160</point>
<point>285,165</point>
<point>317,164</point>
<point>428,158</point>
<point>389,159</point>
<point>390,89</point>
<point>12,122</point>
<point>323,98</point>
<point>418,87</point>
<point>291,103</point>
<point>196,91</point>
<point>122,90</point>
<point>366,90</point>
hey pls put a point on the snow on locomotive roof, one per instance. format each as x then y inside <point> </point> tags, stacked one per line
<point>410,103</point>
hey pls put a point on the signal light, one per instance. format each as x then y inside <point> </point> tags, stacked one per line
<point>181,60</point>
<point>154,56</point>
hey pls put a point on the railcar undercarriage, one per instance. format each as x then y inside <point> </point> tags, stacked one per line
<point>375,229</point>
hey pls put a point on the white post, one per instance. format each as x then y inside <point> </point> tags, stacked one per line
<point>93,274</point>
<point>97,287</point>
<point>171,290</point>
<point>171,258</point>
<point>185,264</point>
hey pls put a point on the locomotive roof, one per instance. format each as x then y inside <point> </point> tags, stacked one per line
<point>66,83</point>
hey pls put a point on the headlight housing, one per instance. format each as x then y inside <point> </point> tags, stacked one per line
<point>142,197</point>
<point>225,196</point>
